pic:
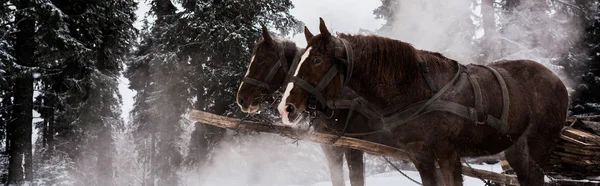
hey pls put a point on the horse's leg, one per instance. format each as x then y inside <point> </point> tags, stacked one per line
<point>424,161</point>
<point>529,156</point>
<point>335,160</point>
<point>354,159</point>
<point>450,167</point>
<point>518,159</point>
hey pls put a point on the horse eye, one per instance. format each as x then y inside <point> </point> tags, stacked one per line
<point>316,61</point>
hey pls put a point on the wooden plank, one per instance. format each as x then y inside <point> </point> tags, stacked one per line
<point>566,144</point>
<point>581,135</point>
<point>576,156</point>
<point>576,183</point>
<point>575,141</point>
<point>345,142</point>
<point>577,161</point>
<point>584,152</point>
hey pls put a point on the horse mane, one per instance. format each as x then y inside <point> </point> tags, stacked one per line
<point>436,60</point>
<point>387,59</point>
<point>390,59</point>
<point>287,44</point>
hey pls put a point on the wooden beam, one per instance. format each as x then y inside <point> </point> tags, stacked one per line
<point>345,142</point>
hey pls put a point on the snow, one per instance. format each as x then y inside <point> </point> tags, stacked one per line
<point>395,178</point>
<point>269,159</point>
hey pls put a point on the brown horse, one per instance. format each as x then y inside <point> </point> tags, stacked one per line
<point>388,74</point>
<point>267,72</point>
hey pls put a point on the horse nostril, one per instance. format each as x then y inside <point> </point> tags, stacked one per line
<point>241,100</point>
<point>289,108</point>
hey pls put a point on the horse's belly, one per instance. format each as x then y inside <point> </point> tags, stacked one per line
<point>481,142</point>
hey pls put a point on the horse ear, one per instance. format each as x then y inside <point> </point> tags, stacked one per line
<point>265,33</point>
<point>307,34</point>
<point>324,32</point>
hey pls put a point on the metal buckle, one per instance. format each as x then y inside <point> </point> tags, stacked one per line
<point>475,117</point>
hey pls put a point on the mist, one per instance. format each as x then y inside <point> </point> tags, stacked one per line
<point>452,28</point>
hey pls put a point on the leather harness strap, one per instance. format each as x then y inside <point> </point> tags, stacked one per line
<point>421,108</point>
<point>316,91</point>
<point>425,72</point>
<point>346,61</point>
<point>345,74</point>
<point>505,98</point>
<point>476,114</point>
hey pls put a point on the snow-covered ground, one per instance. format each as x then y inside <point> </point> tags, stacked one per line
<point>395,178</point>
<point>271,160</point>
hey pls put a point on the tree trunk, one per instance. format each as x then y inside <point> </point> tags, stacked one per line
<point>48,130</point>
<point>206,137</point>
<point>50,137</point>
<point>104,164</point>
<point>489,29</point>
<point>20,167</point>
<point>153,166</point>
<point>198,143</point>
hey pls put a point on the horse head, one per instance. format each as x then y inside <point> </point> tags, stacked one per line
<point>315,80</point>
<point>266,72</point>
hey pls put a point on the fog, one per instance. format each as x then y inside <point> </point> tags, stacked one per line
<point>450,27</point>
<point>453,28</point>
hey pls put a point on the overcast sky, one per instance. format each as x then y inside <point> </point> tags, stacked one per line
<point>340,15</point>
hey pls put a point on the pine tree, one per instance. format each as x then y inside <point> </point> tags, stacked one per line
<point>218,46</point>
<point>155,74</point>
<point>117,34</point>
<point>58,103</point>
<point>488,22</point>
<point>386,11</point>
<point>20,127</point>
<point>82,48</point>
<point>199,53</point>
<point>582,63</point>
<point>6,62</point>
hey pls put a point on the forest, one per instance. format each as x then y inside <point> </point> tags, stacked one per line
<point>62,61</point>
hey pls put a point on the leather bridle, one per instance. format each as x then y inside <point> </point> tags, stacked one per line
<point>281,63</point>
<point>337,68</point>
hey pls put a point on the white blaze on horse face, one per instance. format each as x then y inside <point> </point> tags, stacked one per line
<point>248,71</point>
<point>282,103</point>
<point>304,56</point>
<point>242,83</point>
<point>288,89</point>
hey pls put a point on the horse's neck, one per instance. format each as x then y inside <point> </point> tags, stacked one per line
<point>392,96</point>
<point>388,97</point>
